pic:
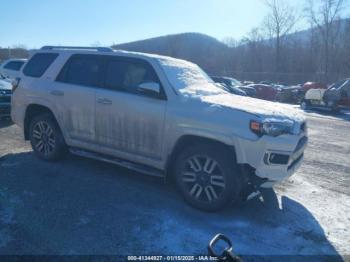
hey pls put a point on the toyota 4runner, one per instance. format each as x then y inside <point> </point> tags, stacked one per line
<point>159,115</point>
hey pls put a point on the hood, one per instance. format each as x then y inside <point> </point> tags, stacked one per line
<point>5,85</point>
<point>263,109</point>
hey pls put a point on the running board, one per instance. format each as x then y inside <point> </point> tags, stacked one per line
<point>117,161</point>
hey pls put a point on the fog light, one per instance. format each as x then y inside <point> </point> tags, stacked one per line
<point>277,159</point>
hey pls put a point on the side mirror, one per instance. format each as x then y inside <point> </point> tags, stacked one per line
<point>151,88</point>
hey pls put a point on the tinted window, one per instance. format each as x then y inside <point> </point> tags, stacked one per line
<point>82,70</point>
<point>14,65</point>
<point>127,74</point>
<point>38,64</point>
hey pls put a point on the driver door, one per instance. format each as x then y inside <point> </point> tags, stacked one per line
<point>128,120</point>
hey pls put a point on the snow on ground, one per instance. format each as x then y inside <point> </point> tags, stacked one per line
<point>80,206</point>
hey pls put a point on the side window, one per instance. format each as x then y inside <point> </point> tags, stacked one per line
<point>14,65</point>
<point>82,70</point>
<point>38,64</point>
<point>127,74</point>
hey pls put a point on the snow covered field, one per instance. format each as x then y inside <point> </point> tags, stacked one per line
<point>80,206</point>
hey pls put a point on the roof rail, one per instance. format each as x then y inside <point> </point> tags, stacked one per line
<point>99,49</point>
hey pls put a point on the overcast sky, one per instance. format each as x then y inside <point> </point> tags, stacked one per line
<point>34,23</point>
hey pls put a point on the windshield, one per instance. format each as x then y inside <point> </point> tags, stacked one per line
<point>187,77</point>
<point>339,84</point>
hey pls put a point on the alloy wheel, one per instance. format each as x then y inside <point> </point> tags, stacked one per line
<point>203,178</point>
<point>43,137</point>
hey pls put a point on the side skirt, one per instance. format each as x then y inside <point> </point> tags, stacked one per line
<point>120,162</point>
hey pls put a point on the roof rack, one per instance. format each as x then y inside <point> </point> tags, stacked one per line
<point>99,49</point>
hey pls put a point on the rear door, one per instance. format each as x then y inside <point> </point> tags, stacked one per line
<point>128,120</point>
<point>74,92</point>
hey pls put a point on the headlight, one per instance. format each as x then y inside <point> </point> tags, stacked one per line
<point>272,127</point>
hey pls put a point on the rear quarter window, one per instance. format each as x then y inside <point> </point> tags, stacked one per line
<point>38,64</point>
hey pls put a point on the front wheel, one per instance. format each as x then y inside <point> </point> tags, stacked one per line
<point>207,177</point>
<point>46,138</point>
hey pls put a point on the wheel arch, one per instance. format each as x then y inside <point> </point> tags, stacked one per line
<point>191,140</point>
<point>32,111</point>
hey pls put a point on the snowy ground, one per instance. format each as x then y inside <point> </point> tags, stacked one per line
<point>80,206</point>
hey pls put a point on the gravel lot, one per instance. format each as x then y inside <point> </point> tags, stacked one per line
<point>80,206</point>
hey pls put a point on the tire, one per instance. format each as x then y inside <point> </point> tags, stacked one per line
<point>46,138</point>
<point>207,177</point>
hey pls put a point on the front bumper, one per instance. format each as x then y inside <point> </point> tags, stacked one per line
<point>274,158</point>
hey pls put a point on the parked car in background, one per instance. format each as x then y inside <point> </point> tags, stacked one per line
<point>229,81</point>
<point>265,83</point>
<point>232,89</point>
<point>313,85</point>
<point>333,98</point>
<point>266,92</point>
<point>5,98</point>
<point>290,95</point>
<point>235,85</point>
<point>246,82</point>
<point>229,84</point>
<point>158,115</point>
<point>10,68</point>
<point>250,91</point>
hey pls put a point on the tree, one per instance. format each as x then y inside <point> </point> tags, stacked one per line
<point>325,16</point>
<point>278,22</point>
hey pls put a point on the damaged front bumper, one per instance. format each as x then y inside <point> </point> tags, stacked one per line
<point>272,159</point>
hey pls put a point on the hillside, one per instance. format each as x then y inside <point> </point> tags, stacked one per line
<point>198,48</point>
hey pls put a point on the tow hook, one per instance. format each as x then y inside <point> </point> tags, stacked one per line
<point>227,254</point>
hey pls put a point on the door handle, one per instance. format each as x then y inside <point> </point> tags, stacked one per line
<point>57,93</point>
<point>104,101</point>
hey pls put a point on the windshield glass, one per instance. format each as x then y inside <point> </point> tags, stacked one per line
<point>187,77</point>
<point>338,84</point>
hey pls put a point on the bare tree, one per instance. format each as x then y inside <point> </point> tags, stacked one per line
<point>325,16</point>
<point>230,41</point>
<point>279,22</point>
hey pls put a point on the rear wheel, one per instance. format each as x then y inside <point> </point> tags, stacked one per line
<point>46,138</point>
<point>207,177</point>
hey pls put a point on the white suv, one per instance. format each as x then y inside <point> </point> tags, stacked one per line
<point>158,115</point>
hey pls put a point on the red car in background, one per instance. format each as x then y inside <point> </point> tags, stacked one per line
<point>266,92</point>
